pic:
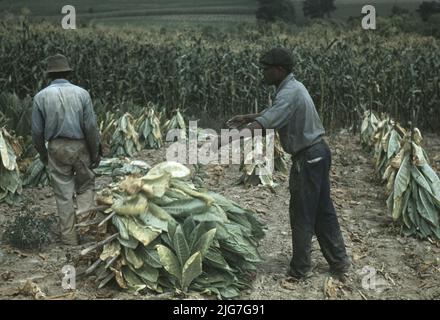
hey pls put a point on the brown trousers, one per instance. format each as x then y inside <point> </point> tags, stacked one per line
<point>70,173</point>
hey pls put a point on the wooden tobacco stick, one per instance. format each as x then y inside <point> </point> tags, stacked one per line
<point>87,224</point>
<point>98,208</point>
<point>107,279</point>
<point>106,219</point>
<point>93,267</point>
<point>110,262</point>
<point>362,295</point>
<point>98,244</point>
<point>62,296</point>
<point>103,274</point>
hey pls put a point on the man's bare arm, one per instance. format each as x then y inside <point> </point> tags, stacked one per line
<point>241,120</point>
<point>250,127</point>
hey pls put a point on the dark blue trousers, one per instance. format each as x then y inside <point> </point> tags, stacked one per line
<point>312,211</point>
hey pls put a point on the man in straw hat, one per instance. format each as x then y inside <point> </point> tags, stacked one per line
<point>63,116</point>
<point>294,116</point>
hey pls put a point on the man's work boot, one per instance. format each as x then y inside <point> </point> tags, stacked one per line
<point>342,273</point>
<point>297,277</point>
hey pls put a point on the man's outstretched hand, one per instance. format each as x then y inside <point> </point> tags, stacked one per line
<point>238,121</point>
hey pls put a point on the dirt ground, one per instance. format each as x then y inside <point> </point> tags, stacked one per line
<point>386,265</point>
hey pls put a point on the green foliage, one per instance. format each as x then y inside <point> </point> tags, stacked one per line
<point>318,8</point>
<point>397,11</point>
<point>149,129</point>
<point>28,231</point>
<point>10,180</point>
<point>185,245</point>
<point>16,112</point>
<point>342,66</point>
<point>36,174</point>
<point>125,139</point>
<point>273,10</point>
<point>412,186</point>
<point>428,8</point>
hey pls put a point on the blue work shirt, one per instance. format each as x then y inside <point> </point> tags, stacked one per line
<point>63,110</point>
<point>294,115</point>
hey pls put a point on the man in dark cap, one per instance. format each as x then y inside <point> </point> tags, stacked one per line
<point>294,116</point>
<point>63,116</point>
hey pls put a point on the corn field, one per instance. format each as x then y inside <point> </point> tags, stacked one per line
<point>346,72</point>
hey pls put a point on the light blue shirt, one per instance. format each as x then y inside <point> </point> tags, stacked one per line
<point>294,115</point>
<point>63,110</point>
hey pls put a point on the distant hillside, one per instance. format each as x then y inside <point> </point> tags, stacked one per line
<point>53,7</point>
<point>135,12</point>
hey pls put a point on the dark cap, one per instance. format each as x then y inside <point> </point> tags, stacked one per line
<point>57,63</point>
<point>279,57</point>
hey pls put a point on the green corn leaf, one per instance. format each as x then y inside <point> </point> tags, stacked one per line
<point>180,120</point>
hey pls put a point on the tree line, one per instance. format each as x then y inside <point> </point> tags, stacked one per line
<point>284,10</point>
